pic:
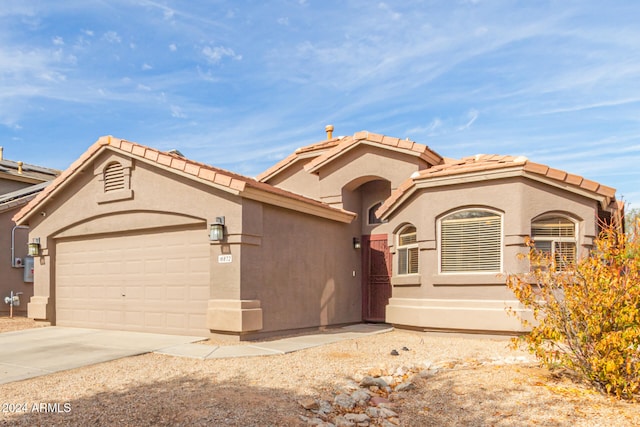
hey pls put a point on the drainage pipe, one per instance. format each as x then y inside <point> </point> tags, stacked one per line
<point>13,243</point>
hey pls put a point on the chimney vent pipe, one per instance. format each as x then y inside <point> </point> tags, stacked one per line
<point>329,130</point>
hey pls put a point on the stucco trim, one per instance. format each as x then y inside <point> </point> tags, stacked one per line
<point>454,314</point>
<point>135,220</point>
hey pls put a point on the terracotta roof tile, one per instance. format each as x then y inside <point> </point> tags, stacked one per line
<point>151,155</point>
<point>573,179</point>
<point>126,146</point>
<point>192,169</point>
<point>222,180</point>
<point>406,143</point>
<point>164,159</point>
<point>483,163</point>
<point>177,163</point>
<point>389,140</point>
<point>138,150</point>
<point>374,137</point>
<point>420,150</point>
<point>536,168</point>
<point>590,185</point>
<point>200,170</point>
<point>556,174</point>
<point>363,134</point>
<point>207,174</point>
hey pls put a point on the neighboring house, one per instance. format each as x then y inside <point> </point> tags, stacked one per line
<point>358,228</point>
<point>19,183</point>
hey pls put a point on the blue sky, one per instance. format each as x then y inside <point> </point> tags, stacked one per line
<point>241,84</point>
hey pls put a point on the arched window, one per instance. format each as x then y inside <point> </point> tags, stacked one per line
<point>373,219</point>
<point>471,241</point>
<point>114,178</point>
<point>408,251</point>
<point>556,237</point>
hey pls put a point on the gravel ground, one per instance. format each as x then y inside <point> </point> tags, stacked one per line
<point>476,381</point>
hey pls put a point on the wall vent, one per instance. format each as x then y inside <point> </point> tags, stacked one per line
<point>114,177</point>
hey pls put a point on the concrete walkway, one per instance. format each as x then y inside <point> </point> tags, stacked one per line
<point>278,346</point>
<point>35,352</point>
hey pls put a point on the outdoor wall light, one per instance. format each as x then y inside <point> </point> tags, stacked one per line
<point>216,232</point>
<point>34,247</point>
<point>356,243</point>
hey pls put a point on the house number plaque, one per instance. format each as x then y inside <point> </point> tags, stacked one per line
<point>224,259</point>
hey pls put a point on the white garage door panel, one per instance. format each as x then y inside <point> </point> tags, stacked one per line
<point>149,282</point>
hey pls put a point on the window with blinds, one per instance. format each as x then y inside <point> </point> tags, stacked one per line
<point>114,178</point>
<point>556,238</point>
<point>471,241</point>
<point>408,251</point>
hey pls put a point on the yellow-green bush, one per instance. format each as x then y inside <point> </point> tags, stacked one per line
<point>587,315</point>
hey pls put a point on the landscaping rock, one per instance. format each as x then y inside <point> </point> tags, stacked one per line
<point>309,403</point>
<point>344,401</point>
<point>358,418</point>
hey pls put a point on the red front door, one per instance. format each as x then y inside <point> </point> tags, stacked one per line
<point>376,277</point>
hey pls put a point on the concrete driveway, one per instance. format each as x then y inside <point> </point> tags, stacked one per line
<point>34,352</point>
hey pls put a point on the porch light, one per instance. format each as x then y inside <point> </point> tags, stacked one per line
<point>356,243</point>
<point>216,232</point>
<point>34,247</point>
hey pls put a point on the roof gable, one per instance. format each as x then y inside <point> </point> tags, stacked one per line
<point>405,146</point>
<point>308,152</point>
<point>486,166</point>
<point>215,177</point>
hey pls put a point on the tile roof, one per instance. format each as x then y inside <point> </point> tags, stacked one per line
<point>481,163</point>
<point>20,197</point>
<point>397,144</point>
<point>10,170</point>
<point>169,160</point>
<point>325,151</point>
<point>303,152</point>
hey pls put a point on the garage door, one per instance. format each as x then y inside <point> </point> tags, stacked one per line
<point>151,282</point>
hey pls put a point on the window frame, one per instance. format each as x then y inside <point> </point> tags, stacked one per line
<point>553,240</point>
<point>409,248</point>
<point>374,207</point>
<point>500,242</point>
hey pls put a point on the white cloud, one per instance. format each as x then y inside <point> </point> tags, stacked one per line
<point>283,21</point>
<point>472,116</point>
<point>394,15</point>
<point>58,41</point>
<point>112,37</point>
<point>177,112</point>
<point>88,32</point>
<point>216,53</point>
<point>173,47</point>
<point>146,66</point>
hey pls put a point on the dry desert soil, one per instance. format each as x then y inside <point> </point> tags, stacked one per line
<point>455,381</point>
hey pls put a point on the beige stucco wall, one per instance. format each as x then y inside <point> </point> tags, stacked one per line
<point>9,185</point>
<point>12,278</point>
<point>362,164</point>
<point>295,179</point>
<point>304,270</point>
<point>475,301</point>
<point>160,200</point>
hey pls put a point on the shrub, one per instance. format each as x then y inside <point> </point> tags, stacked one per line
<point>587,315</point>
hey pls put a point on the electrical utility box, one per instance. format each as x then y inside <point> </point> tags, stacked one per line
<point>28,269</point>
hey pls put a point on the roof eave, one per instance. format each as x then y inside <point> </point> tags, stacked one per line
<point>316,209</point>
<point>515,171</point>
